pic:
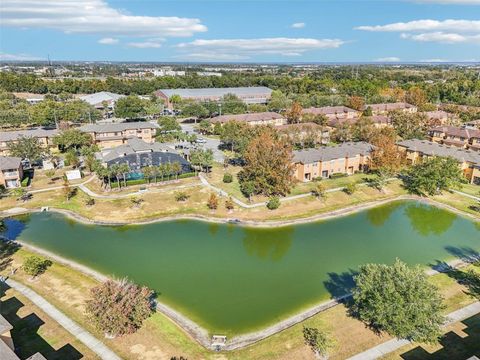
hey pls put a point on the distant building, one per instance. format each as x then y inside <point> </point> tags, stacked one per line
<point>469,161</point>
<point>439,116</point>
<point>384,109</point>
<point>99,99</point>
<point>250,95</point>
<point>332,112</point>
<point>378,121</point>
<point>263,118</point>
<point>346,158</point>
<point>11,172</point>
<point>462,137</point>
<point>115,134</point>
<point>44,136</point>
<point>306,132</point>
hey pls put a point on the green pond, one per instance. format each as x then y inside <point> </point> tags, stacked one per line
<point>232,279</point>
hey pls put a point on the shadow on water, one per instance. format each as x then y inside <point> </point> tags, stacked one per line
<point>268,244</point>
<point>13,227</point>
<point>429,220</point>
<point>377,216</point>
<point>339,284</point>
<point>453,346</point>
<point>25,333</point>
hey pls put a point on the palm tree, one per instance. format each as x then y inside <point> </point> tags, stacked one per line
<point>176,168</point>
<point>168,169</point>
<point>124,169</point>
<point>147,173</point>
<point>117,172</point>
<point>161,171</point>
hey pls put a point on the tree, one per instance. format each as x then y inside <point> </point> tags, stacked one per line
<point>416,96</point>
<point>236,135</point>
<point>273,203</point>
<point>319,191</point>
<point>119,307</point>
<point>229,204</point>
<point>317,341</point>
<point>398,300</point>
<point>350,188</point>
<point>278,101</point>
<point>268,165</point>
<point>248,189</point>
<point>28,148</point>
<point>195,109</point>
<point>72,139</point>
<point>227,178</point>
<point>409,126</point>
<point>168,123</point>
<point>130,107</point>
<point>68,191</point>
<point>212,203</point>
<point>177,168</point>
<point>363,129</point>
<point>386,155</point>
<point>231,104</point>
<point>175,100</point>
<point>71,158</point>
<point>356,103</point>
<point>202,159</point>
<point>294,114</point>
<point>381,179</point>
<point>89,159</point>
<point>433,175</point>
<point>181,196</point>
<point>35,265</point>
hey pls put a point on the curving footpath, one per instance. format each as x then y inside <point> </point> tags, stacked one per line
<point>71,326</point>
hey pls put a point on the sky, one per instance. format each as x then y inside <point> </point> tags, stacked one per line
<point>291,31</point>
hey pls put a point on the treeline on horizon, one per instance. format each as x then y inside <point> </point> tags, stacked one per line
<point>442,85</point>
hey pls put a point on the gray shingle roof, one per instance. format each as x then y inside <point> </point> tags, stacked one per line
<point>218,92</point>
<point>133,146</point>
<point>390,106</point>
<point>9,162</point>
<point>99,128</point>
<point>36,132</point>
<point>328,110</point>
<point>263,116</point>
<point>349,149</point>
<point>433,149</point>
<point>4,325</point>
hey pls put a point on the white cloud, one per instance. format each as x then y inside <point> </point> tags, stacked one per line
<point>433,60</point>
<point>427,25</point>
<point>441,37</point>
<point>238,49</point>
<point>145,44</point>
<point>299,25</point>
<point>108,41</point>
<point>18,57</point>
<point>388,59</point>
<point>94,17</point>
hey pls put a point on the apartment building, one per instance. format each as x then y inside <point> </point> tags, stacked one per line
<point>11,172</point>
<point>346,158</point>
<point>379,121</point>
<point>115,134</point>
<point>249,95</point>
<point>7,347</point>
<point>461,137</point>
<point>385,108</point>
<point>44,136</point>
<point>332,112</point>
<point>304,132</point>
<point>469,161</point>
<point>262,118</point>
<point>102,99</point>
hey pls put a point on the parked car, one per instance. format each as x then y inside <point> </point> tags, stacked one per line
<point>201,141</point>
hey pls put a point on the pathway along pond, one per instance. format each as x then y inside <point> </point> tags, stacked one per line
<point>231,279</point>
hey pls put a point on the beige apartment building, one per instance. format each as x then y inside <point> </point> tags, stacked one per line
<point>11,172</point>
<point>469,161</point>
<point>346,158</point>
<point>7,347</point>
<point>332,112</point>
<point>385,108</point>
<point>461,137</point>
<point>44,136</point>
<point>115,134</point>
<point>262,118</point>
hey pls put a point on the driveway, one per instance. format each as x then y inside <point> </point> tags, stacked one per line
<point>212,144</point>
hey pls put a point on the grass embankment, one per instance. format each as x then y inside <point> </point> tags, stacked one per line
<point>34,331</point>
<point>159,338</point>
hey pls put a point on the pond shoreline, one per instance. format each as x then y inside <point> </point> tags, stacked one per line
<point>199,333</point>
<point>246,223</point>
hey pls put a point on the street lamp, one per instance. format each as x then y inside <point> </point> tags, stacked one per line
<point>220,109</point>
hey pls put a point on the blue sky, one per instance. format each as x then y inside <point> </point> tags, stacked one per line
<point>241,31</point>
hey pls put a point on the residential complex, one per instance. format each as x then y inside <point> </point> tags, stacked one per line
<point>11,171</point>
<point>44,136</point>
<point>385,108</point>
<point>306,132</point>
<point>262,118</point>
<point>378,121</point>
<point>324,162</point>
<point>469,161</point>
<point>115,134</point>
<point>102,100</point>
<point>462,137</point>
<point>250,95</point>
<point>332,112</point>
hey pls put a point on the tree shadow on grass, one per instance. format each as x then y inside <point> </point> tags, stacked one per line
<point>453,345</point>
<point>7,249</point>
<point>25,333</point>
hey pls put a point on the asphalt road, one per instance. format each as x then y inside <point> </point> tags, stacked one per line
<point>212,144</point>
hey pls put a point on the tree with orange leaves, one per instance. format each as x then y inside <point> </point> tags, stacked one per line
<point>386,156</point>
<point>294,114</point>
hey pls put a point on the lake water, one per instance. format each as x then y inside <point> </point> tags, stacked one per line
<point>232,279</point>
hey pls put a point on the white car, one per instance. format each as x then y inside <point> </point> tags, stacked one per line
<point>201,141</point>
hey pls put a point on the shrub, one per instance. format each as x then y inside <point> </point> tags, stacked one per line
<point>136,202</point>
<point>227,178</point>
<point>338,175</point>
<point>25,182</point>
<point>90,201</point>
<point>212,203</point>
<point>119,307</point>
<point>319,191</point>
<point>229,204</point>
<point>350,188</point>
<point>317,341</point>
<point>181,196</point>
<point>273,203</point>
<point>35,265</point>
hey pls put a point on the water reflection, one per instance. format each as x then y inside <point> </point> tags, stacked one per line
<point>377,216</point>
<point>268,244</point>
<point>429,220</point>
<point>14,227</point>
<point>213,228</point>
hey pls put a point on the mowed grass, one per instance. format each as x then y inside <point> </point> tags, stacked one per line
<point>160,338</point>
<point>34,331</point>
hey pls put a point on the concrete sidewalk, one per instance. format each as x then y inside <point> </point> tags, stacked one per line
<point>72,327</point>
<point>395,344</point>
